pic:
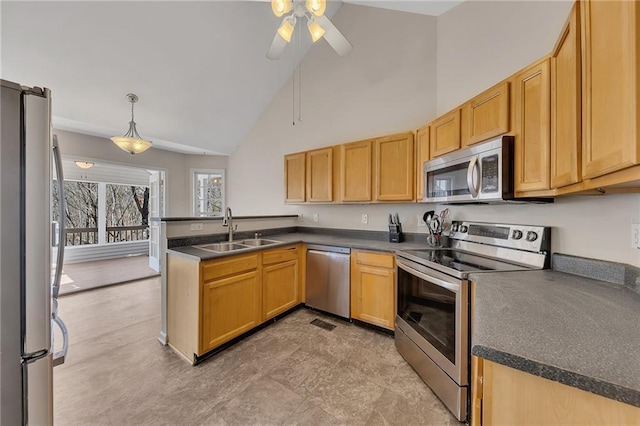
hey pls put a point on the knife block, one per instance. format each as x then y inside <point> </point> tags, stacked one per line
<point>395,234</point>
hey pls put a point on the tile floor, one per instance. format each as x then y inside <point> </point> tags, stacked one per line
<point>291,373</point>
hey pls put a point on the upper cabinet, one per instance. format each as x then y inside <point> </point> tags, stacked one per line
<point>532,130</point>
<point>610,92</point>
<point>320,175</point>
<point>393,173</point>
<point>486,115</point>
<point>566,137</point>
<point>445,133</point>
<point>422,155</point>
<point>356,176</point>
<point>294,178</point>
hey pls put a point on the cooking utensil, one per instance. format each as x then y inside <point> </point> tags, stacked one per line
<point>427,216</point>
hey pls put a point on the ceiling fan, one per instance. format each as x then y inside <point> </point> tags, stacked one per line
<point>318,24</point>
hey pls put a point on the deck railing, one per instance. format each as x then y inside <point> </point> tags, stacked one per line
<point>84,236</point>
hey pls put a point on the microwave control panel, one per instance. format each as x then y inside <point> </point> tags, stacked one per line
<point>489,167</point>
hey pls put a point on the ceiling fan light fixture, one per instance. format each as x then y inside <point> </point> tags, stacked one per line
<point>286,28</point>
<point>317,7</point>
<point>280,7</point>
<point>315,29</point>
<point>132,142</point>
<point>84,164</point>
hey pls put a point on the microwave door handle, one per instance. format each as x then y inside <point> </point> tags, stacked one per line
<point>473,186</point>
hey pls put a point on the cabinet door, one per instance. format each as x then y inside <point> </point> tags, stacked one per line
<point>566,121</point>
<point>487,114</point>
<point>294,176</point>
<point>394,168</point>
<point>532,111</point>
<point>609,86</point>
<point>422,155</point>
<point>355,178</point>
<point>280,288</point>
<point>320,175</point>
<point>445,133</point>
<point>230,307</point>
<point>373,291</point>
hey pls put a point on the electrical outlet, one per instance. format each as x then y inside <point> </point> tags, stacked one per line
<point>635,236</point>
<point>316,216</point>
<point>196,227</point>
<point>421,221</point>
<point>365,218</point>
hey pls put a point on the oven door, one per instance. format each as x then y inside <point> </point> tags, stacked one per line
<point>433,311</point>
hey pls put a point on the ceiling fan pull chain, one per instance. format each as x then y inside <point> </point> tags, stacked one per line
<point>299,78</point>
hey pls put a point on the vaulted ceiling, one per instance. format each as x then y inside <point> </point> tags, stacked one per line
<point>199,68</point>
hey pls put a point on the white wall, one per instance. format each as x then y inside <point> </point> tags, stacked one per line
<point>77,146</point>
<point>386,85</point>
<point>482,42</point>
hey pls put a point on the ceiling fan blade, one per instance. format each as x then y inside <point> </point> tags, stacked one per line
<point>277,47</point>
<point>334,37</point>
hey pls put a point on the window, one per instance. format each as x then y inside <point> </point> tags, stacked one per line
<point>127,213</point>
<point>208,192</point>
<point>81,211</point>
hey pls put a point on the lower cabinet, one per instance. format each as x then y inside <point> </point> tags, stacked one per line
<point>280,281</point>
<point>505,396</point>
<point>230,307</point>
<point>373,288</point>
<point>211,302</point>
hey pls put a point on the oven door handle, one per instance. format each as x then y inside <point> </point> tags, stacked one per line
<point>437,281</point>
<point>473,185</point>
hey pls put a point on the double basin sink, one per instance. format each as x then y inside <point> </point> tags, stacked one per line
<point>227,246</point>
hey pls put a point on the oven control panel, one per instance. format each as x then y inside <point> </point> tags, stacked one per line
<point>523,237</point>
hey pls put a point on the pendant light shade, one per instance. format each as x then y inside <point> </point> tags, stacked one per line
<point>280,7</point>
<point>131,141</point>
<point>317,7</point>
<point>315,29</point>
<point>84,164</point>
<point>286,29</point>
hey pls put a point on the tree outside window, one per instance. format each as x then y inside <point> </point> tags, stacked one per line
<point>81,211</point>
<point>208,192</point>
<point>127,213</point>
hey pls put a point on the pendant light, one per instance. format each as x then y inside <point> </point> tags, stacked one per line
<point>84,164</point>
<point>131,141</point>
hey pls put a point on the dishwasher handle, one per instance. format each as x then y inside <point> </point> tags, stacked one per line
<point>331,249</point>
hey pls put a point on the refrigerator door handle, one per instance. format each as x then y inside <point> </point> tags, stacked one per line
<point>59,356</point>
<point>62,225</point>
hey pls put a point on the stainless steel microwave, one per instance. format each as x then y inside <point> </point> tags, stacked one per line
<point>481,173</point>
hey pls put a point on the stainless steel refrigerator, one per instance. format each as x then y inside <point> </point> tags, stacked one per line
<point>31,255</point>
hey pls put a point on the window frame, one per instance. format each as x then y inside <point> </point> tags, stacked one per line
<point>192,178</point>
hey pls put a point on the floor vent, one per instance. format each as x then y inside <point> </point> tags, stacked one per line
<point>323,324</point>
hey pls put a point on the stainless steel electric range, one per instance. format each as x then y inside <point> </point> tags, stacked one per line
<point>432,324</point>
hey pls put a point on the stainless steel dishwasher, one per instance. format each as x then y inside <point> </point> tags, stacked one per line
<point>328,279</point>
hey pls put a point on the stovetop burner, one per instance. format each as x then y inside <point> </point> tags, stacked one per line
<point>459,260</point>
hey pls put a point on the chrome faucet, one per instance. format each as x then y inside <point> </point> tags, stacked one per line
<point>228,221</point>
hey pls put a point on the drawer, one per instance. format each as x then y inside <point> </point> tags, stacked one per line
<point>375,259</point>
<point>280,255</point>
<point>214,269</point>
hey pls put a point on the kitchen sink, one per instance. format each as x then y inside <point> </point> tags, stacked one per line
<point>256,242</point>
<point>223,247</point>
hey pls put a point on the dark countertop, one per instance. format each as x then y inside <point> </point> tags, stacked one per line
<point>203,218</point>
<point>197,254</point>
<point>574,330</point>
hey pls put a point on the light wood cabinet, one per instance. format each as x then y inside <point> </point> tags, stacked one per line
<point>373,288</point>
<point>445,133</point>
<point>610,94</point>
<point>356,177</point>
<point>230,307</point>
<point>532,129</point>
<point>422,155</point>
<point>294,178</point>
<point>486,115</point>
<point>280,281</point>
<point>566,135</point>
<point>319,171</point>
<point>394,161</point>
<point>512,397</point>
